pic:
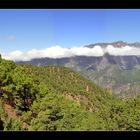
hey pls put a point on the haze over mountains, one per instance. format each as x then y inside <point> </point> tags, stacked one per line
<point>112,65</point>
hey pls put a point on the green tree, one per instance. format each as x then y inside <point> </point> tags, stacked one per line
<point>12,124</point>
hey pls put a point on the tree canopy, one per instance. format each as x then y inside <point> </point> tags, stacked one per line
<point>57,98</point>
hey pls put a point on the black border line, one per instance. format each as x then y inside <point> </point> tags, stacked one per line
<point>80,4</point>
<point>69,135</point>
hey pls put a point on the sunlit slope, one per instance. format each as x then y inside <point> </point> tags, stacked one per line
<point>49,98</point>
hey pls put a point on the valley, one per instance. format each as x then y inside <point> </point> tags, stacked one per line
<point>58,98</point>
<point>121,74</point>
<point>69,70</point>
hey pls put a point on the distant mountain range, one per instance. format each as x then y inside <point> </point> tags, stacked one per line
<point>115,44</point>
<point>56,98</point>
<point>120,73</point>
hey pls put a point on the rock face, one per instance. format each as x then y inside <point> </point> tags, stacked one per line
<point>93,63</point>
<point>119,73</point>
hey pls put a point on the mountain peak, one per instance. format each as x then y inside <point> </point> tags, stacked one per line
<point>117,44</point>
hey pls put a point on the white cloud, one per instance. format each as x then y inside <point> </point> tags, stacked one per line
<point>96,51</point>
<point>59,52</point>
<point>126,50</point>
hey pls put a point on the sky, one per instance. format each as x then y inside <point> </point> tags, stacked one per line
<point>23,31</point>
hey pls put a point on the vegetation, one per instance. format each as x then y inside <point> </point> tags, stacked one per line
<point>57,98</point>
<point>123,83</point>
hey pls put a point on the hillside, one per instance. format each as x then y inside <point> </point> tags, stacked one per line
<point>124,82</point>
<point>120,73</point>
<point>57,98</point>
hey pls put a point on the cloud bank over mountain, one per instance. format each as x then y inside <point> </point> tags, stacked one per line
<point>60,52</point>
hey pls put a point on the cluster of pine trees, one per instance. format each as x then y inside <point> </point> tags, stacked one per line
<point>57,98</point>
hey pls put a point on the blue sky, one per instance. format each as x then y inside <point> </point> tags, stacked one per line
<point>27,29</point>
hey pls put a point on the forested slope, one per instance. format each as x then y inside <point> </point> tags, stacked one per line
<point>57,98</point>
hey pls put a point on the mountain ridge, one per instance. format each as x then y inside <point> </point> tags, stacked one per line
<point>49,98</point>
<point>100,69</point>
<point>58,98</point>
<point>115,44</point>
